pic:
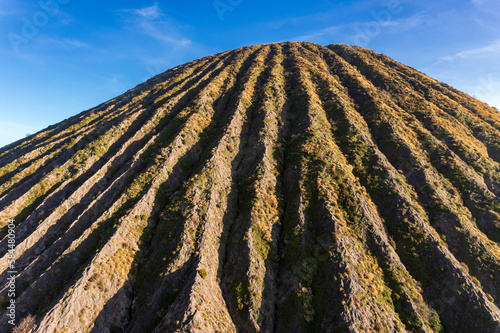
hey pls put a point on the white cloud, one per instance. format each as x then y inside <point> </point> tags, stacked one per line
<point>60,43</point>
<point>163,35</point>
<point>407,23</point>
<point>366,29</point>
<point>491,49</point>
<point>76,43</point>
<point>150,13</point>
<point>447,58</point>
<point>319,35</point>
<point>155,24</point>
<point>4,13</point>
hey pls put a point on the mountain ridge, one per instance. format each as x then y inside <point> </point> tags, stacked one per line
<point>277,187</point>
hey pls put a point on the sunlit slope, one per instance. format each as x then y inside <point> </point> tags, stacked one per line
<point>287,187</point>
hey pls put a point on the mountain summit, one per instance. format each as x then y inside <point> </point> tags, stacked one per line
<point>287,187</point>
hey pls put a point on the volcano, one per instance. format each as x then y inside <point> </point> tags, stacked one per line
<point>287,187</point>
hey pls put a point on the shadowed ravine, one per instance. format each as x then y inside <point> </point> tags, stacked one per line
<point>287,187</point>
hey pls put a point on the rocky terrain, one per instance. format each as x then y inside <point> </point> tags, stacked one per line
<point>288,187</point>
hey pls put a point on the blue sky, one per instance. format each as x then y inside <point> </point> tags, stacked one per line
<point>60,57</point>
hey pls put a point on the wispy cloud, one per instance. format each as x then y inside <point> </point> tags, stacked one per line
<point>151,12</point>
<point>350,31</point>
<point>491,49</point>
<point>162,33</point>
<point>155,24</point>
<point>4,13</point>
<point>319,35</point>
<point>53,43</point>
<point>408,23</point>
<point>76,43</point>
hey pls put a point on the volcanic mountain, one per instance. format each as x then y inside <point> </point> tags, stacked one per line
<point>288,187</point>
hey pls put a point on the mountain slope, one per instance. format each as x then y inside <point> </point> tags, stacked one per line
<point>287,187</point>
